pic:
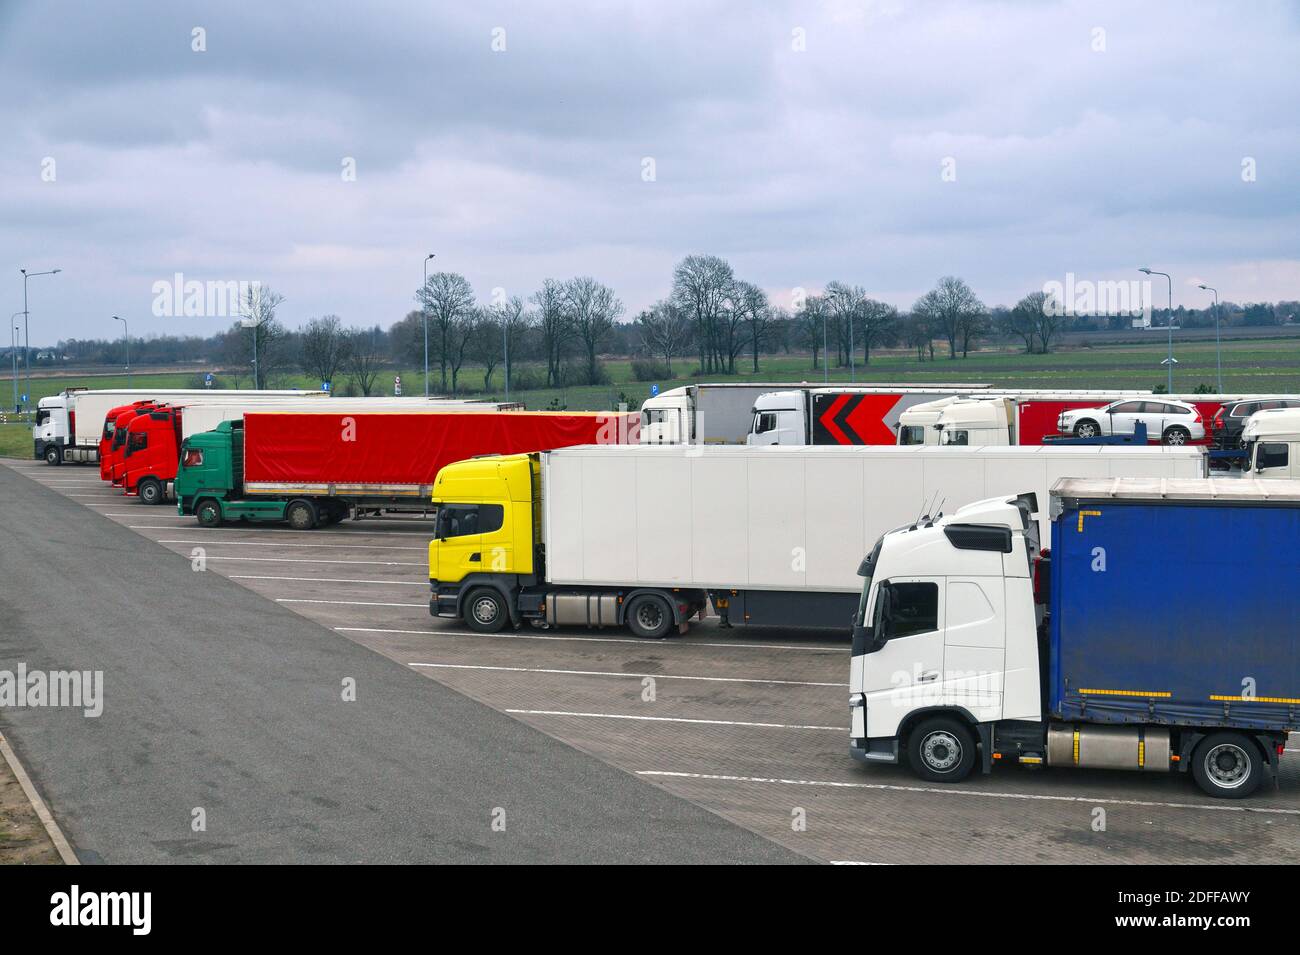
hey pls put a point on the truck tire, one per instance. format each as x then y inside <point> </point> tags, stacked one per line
<point>941,749</point>
<point>649,617</point>
<point>1087,429</point>
<point>1176,436</point>
<point>53,455</point>
<point>150,491</point>
<point>1228,765</point>
<point>485,610</point>
<point>301,515</point>
<point>208,513</point>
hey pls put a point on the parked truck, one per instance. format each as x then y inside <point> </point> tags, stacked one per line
<point>963,656</point>
<point>69,426</point>
<point>1271,444</point>
<point>313,468</point>
<point>154,436</point>
<point>643,536</point>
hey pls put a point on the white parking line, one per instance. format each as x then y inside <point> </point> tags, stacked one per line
<point>957,791</point>
<point>348,603</point>
<point>659,643</point>
<point>355,546</point>
<point>679,719</point>
<point>333,580</point>
<point>656,676</point>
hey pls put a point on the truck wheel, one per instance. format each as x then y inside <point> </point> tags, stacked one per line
<point>301,515</point>
<point>485,610</point>
<point>150,491</point>
<point>649,617</point>
<point>1228,765</point>
<point>1086,429</point>
<point>941,749</point>
<point>53,455</point>
<point>1177,436</point>
<point>208,513</point>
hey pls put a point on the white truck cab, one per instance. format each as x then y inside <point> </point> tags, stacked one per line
<point>916,424</point>
<point>780,417</point>
<point>947,621</point>
<point>977,422</point>
<point>668,418</point>
<point>1272,442</point>
<point>52,427</point>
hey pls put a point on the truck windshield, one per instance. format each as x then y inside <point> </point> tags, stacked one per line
<point>461,520</point>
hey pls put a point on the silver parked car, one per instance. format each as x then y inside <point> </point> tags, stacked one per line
<point>1174,422</point>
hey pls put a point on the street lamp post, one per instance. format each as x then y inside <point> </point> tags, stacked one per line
<point>1169,323</point>
<point>13,354</point>
<point>826,366</point>
<point>1218,353</point>
<point>27,338</point>
<point>126,337</point>
<point>505,345</point>
<point>424,314</point>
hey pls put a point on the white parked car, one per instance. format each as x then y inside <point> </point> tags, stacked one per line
<point>1173,422</point>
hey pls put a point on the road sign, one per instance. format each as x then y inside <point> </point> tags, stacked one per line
<point>397,385</point>
<point>325,386</point>
<point>207,380</point>
<point>654,391</point>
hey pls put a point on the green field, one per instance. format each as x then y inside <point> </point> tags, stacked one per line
<point>1249,365</point>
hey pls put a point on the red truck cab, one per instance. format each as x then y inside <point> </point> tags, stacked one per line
<point>117,449</point>
<point>153,441</point>
<point>110,428</point>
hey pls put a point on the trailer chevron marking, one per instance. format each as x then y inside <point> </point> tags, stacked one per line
<point>959,791</point>
<point>1083,514</point>
<point>1163,694</point>
<point>657,676</point>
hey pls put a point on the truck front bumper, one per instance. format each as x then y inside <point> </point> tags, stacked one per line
<point>867,751</point>
<point>443,603</point>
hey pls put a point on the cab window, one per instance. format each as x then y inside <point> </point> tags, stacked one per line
<point>193,458</point>
<point>906,609</point>
<point>764,421</point>
<point>461,520</point>
<point>1272,454</point>
<point>959,437</point>
<point>911,434</point>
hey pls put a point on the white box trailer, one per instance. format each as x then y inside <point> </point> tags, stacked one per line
<point>69,425</point>
<point>773,535</point>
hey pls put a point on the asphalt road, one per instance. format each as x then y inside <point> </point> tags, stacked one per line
<point>220,700</point>
<point>750,724</point>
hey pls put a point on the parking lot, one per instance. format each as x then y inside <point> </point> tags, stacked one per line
<point>751,725</point>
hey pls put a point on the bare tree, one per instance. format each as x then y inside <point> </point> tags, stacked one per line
<point>512,324</point>
<point>845,304</point>
<point>257,314</point>
<point>324,348</point>
<point>810,325</point>
<point>701,284</point>
<point>878,323</point>
<point>665,331</point>
<point>364,358</point>
<point>592,308</point>
<point>459,338</point>
<point>954,311</point>
<point>448,298</point>
<point>557,328</point>
<point>487,345</point>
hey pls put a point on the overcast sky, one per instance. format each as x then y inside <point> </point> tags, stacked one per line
<point>804,142</point>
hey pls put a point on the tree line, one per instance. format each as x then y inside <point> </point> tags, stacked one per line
<point>557,335</point>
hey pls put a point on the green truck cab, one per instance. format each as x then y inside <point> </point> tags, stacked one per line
<point>210,485</point>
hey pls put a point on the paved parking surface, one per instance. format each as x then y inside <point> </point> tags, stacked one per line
<point>752,725</point>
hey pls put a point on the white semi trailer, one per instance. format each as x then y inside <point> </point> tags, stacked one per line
<point>773,535</point>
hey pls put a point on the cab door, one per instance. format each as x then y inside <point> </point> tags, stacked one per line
<point>459,542</point>
<point>907,666</point>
